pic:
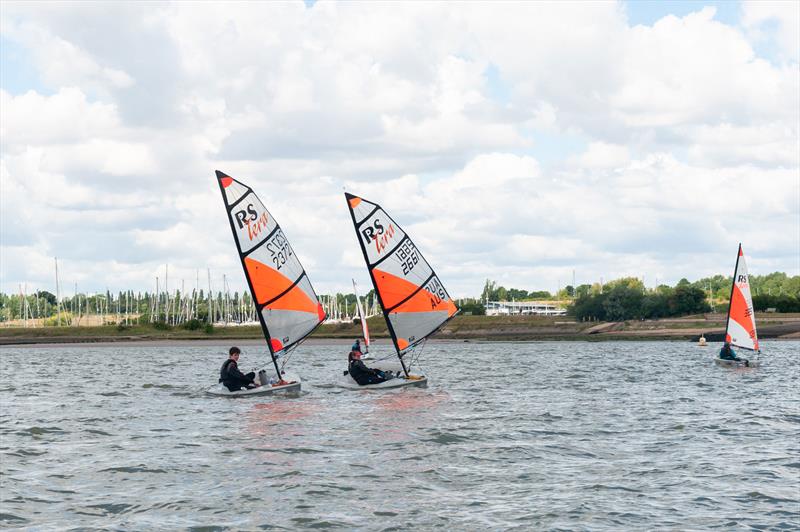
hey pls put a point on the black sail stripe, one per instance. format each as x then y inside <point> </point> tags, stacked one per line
<point>389,253</point>
<point>367,216</point>
<point>420,287</point>
<point>241,199</point>
<point>274,299</point>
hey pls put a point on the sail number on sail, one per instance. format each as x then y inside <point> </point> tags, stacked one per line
<point>437,293</point>
<point>407,254</point>
<point>279,249</point>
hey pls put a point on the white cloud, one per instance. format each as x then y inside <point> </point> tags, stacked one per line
<point>691,138</point>
<point>765,20</point>
<point>66,116</point>
<point>600,155</point>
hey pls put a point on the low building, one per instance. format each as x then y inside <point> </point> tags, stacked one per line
<point>508,308</point>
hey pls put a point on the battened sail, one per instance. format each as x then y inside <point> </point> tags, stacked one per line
<point>287,305</point>
<point>741,327</point>
<point>414,301</point>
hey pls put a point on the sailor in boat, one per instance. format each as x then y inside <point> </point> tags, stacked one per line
<point>726,353</point>
<point>363,374</point>
<point>231,377</point>
<point>357,346</point>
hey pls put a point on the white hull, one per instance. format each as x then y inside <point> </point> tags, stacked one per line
<point>736,363</point>
<point>346,381</point>
<point>294,386</point>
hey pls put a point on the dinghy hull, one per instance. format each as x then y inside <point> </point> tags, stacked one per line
<point>294,386</point>
<point>346,381</point>
<point>736,363</point>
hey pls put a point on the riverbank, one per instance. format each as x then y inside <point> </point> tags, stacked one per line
<point>472,328</point>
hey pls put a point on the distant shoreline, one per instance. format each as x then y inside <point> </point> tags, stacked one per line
<point>462,328</point>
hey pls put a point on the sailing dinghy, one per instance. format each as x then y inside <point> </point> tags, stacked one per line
<point>415,304</point>
<point>740,328</point>
<point>287,306</point>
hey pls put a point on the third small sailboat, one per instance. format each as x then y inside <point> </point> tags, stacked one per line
<point>740,328</point>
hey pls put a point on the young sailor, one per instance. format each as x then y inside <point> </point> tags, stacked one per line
<point>231,377</point>
<point>357,346</point>
<point>363,374</point>
<point>726,353</point>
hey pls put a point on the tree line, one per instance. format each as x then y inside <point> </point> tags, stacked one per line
<point>628,298</point>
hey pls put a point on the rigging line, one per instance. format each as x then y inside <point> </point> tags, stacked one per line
<point>418,357</point>
<point>420,287</point>
<point>241,199</point>
<point>389,253</point>
<point>289,352</point>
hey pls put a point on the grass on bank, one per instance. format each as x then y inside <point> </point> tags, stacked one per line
<point>460,328</point>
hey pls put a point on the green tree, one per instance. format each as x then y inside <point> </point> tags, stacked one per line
<point>687,299</point>
<point>623,302</point>
<point>44,294</point>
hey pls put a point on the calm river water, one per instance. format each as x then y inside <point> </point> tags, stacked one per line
<point>522,436</point>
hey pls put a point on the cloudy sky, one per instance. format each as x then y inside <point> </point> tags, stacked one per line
<point>513,141</point>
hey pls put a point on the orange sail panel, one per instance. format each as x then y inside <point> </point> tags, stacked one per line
<point>741,329</point>
<point>288,307</point>
<point>415,303</point>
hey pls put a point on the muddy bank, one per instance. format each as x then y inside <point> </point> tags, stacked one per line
<point>470,328</point>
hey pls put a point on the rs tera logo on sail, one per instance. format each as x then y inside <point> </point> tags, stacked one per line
<point>378,233</point>
<point>249,217</point>
<point>742,279</point>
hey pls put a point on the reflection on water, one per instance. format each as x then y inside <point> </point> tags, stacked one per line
<point>557,435</point>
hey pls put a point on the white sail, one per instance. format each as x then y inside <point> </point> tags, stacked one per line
<point>288,307</point>
<point>741,327</point>
<point>362,317</point>
<point>414,301</point>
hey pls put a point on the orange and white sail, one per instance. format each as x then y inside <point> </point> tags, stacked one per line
<point>414,301</point>
<point>741,327</point>
<point>362,317</point>
<point>287,305</point>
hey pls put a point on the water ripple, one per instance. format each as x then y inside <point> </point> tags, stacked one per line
<point>558,436</point>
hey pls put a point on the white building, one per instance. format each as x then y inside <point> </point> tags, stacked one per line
<point>507,308</point>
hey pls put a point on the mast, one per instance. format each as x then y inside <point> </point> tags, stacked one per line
<point>730,299</point>
<point>348,197</point>
<point>58,298</point>
<point>362,317</point>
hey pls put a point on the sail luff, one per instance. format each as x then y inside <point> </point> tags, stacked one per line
<point>412,298</point>
<point>733,285</point>
<point>348,197</point>
<point>740,329</point>
<point>264,328</point>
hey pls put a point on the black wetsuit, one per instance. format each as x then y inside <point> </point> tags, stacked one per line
<point>364,375</point>
<point>232,378</point>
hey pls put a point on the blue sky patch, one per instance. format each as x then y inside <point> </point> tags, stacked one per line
<point>648,12</point>
<point>18,74</point>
